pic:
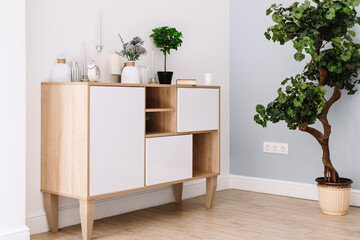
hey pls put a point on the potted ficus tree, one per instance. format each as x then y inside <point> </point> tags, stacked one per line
<point>323,30</point>
<point>166,38</point>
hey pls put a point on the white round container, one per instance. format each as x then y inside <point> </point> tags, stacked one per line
<point>61,71</point>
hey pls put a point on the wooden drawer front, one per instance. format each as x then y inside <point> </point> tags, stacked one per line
<point>198,109</point>
<point>168,159</point>
<point>117,116</point>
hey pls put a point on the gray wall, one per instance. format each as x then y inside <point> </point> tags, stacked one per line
<point>257,67</point>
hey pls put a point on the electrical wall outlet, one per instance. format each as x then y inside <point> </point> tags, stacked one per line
<point>279,148</point>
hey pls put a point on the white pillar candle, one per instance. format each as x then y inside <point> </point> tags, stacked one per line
<point>115,69</point>
<point>114,64</point>
<point>207,79</point>
<point>114,59</point>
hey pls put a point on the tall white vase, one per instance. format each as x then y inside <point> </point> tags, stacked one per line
<point>130,73</point>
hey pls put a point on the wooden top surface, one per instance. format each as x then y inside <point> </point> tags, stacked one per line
<point>127,84</point>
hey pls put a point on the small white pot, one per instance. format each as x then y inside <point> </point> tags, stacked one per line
<point>130,73</point>
<point>334,200</point>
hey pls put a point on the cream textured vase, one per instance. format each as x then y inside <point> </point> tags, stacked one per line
<point>334,200</point>
<point>130,73</point>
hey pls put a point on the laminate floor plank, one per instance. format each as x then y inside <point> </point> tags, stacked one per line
<point>238,215</point>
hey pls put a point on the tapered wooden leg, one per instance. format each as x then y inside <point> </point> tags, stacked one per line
<point>211,184</point>
<point>178,190</point>
<point>51,204</point>
<point>87,218</point>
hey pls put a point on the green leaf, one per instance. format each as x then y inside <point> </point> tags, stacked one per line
<point>290,112</point>
<point>330,15</point>
<point>299,56</point>
<point>346,56</point>
<point>285,81</point>
<point>282,96</point>
<point>352,33</point>
<point>303,84</point>
<point>322,90</point>
<point>268,11</point>
<point>296,103</point>
<point>261,110</point>
<point>267,35</point>
<point>276,18</point>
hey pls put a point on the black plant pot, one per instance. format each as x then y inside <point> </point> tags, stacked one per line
<point>165,77</point>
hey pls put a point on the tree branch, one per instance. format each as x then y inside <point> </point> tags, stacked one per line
<point>314,132</point>
<point>323,115</point>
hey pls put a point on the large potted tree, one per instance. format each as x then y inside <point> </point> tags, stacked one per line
<point>166,38</point>
<point>322,30</point>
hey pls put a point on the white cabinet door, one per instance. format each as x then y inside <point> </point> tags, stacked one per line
<point>117,131</point>
<point>198,109</point>
<point>168,159</point>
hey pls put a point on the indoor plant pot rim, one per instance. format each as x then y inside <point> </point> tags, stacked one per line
<point>344,183</point>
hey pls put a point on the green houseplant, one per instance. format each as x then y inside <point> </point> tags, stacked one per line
<point>166,38</point>
<point>322,30</point>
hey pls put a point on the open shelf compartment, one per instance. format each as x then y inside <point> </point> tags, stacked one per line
<point>206,154</point>
<point>161,110</point>
<point>164,97</point>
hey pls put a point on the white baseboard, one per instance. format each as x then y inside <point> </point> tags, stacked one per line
<point>16,233</point>
<point>110,206</point>
<point>282,188</point>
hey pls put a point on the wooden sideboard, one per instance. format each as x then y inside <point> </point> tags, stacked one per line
<point>96,141</point>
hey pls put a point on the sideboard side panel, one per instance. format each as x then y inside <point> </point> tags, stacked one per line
<point>64,140</point>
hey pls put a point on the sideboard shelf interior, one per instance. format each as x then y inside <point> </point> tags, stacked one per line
<point>96,142</point>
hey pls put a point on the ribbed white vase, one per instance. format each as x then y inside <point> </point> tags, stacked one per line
<point>130,73</point>
<point>334,200</point>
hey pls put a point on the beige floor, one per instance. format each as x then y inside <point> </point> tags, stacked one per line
<point>235,215</point>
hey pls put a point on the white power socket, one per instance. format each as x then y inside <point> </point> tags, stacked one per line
<point>279,148</point>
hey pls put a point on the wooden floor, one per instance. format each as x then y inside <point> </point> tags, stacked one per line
<point>235,215</point>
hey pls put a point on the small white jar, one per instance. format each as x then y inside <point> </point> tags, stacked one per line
<point>61,71</point>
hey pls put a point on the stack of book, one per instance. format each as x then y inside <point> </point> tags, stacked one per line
<point>186,81</point>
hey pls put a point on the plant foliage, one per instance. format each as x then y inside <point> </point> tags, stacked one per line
<point>324,31</point>
<point>132,50</point>
<point>166,38</point>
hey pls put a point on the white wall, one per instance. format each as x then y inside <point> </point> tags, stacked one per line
<point>58,28</point>
<point>257,68</point>
<point>12,121</point>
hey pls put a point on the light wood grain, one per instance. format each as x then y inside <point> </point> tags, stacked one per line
<point>161,122</point>
<point>127,85</point>
<point>64,139</point>
<point>206,157</point>
<point>236,215</point>
<point>178,190</point>
<point>211,184</point>
<point>160,110</point>
<point>51,203</point>
<point>86,218</point>
<point>164,97</point>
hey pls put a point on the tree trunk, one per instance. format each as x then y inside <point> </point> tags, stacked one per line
<point>165,62</point>
<point>330,174</point>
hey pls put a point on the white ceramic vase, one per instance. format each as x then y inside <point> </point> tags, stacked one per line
<point>61,71</point>
<point>130,73</point>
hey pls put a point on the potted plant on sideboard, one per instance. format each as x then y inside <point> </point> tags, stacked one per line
<point>166,38</point>
<point>321,29</point>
